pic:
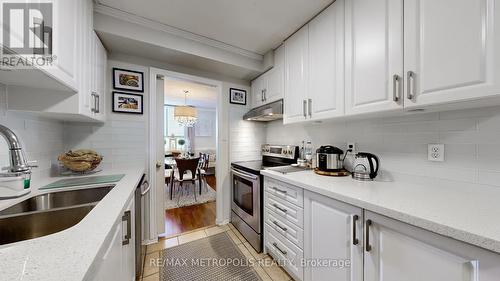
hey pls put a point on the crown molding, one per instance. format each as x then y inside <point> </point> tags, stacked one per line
<point>132,18</point>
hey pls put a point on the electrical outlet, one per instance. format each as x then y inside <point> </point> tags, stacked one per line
<point>352,146</point>
<point>435,152</point>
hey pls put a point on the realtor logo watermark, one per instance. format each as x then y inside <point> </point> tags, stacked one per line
<point>27,35</point>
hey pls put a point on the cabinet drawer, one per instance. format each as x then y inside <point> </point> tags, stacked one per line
<point>290,193</point>
<point>290,231</point>
<point>285,210</point>
<point>286,253</point>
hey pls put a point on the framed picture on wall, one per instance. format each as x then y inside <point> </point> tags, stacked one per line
<point>237,96</point>
<point>128,80</point>
<point>127,103</point>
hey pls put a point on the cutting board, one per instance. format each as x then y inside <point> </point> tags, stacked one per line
<point>84,181</point>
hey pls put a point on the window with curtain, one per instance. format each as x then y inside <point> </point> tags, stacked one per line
<point>172,131</point>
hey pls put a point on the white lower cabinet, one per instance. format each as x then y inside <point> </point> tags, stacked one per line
<point>333,243</point>
<point>396,251</point>
<point>118,259</point>
<point>343,242</point>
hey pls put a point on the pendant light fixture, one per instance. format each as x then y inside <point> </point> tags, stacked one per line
<point>185,115</point>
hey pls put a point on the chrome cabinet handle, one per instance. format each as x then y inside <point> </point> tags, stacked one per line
<point>278,248</point>
<point>279,190</point>
<point>265,94</point>
<point>262,95</point>
<point>93,95</point>
<point>304,108</point>
<point>98,104</point>
<point>126,218</point>
<point>410,78</point>
<point>395,88</point>
<point>281,227</point>
<point>368,247</point>
<point>355,240</point>
<point>310,102</point>
<point>279,208</point>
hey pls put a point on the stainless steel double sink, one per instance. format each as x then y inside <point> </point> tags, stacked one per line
<point>48,213</point>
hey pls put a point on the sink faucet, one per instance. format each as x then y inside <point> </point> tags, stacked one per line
<point>18,163</point>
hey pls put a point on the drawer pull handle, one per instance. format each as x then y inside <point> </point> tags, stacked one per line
<point>278,248</point>
<point>355,240</point>
<point>279,208</point>
<point>279,190</point>
<point>368,247</point>
<point>281,227</point>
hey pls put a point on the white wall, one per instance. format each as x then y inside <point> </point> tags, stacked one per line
<point>207,143</point>
<point>471,139</point>
<point>41,138</point>
<point>246,137</point>
<point>122,140</point>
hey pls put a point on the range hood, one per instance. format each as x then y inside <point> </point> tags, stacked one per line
<point>266,113</point>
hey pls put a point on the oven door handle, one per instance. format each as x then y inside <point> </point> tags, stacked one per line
<point>244,175</point>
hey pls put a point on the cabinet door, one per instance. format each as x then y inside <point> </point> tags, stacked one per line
<point>258,91</point>
<point>110,267</point>
<point>330,230</point>
<point>296,75</point>
<point>326,63</point>
<point>374,55</point>
<point>403,252</point>
<point>276,77</point>
<point>65,42</point>
<point>451,50</point>
<point>87,51</point>
<point>99,78</point>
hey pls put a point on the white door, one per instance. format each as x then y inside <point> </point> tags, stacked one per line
<point>398,251</point>
<point>374,55</point>
<point>326,63</point>
<point>276,77</point>
<point>332,232</point>
<point>296,75</point>
<point>158,182</point>
<point>452,50</point>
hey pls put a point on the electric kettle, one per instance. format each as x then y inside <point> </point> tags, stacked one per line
<point>365,166</point>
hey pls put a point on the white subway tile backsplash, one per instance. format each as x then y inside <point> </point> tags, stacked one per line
<point>471,139</point>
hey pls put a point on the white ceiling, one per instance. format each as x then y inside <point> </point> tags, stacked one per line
<point>254,25</point>
<point>199,95</point>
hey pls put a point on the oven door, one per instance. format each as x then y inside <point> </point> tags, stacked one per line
<point>246,197</point>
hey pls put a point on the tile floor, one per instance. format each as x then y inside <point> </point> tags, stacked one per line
<point>267,271</point>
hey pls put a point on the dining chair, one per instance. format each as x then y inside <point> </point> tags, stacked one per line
<point>187,171</point>
<point>203,166</point>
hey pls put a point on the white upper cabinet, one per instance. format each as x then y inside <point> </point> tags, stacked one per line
<point>452,51</point>
<point>396,251</point>
<point>332,231</point>
<point>296,75</point>
<point>269,86</point>
<point>326,63</point>
<point>276,77</point>
<point>374,55</point>
<point>258,86</point>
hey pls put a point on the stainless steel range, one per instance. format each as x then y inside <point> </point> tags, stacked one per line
<point>248,188</point>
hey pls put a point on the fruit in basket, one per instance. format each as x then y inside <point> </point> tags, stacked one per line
<point>81,160</point>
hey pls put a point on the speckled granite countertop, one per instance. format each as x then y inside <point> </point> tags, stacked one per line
<point>69,254</point>
<point>465,212</point>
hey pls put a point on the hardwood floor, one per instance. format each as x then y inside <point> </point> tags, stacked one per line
<point>189,218</point>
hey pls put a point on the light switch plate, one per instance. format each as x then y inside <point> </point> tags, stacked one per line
<point>435,152</point>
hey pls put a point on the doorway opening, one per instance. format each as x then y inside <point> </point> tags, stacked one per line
<point>190,119</point>
<point>184,150</point>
